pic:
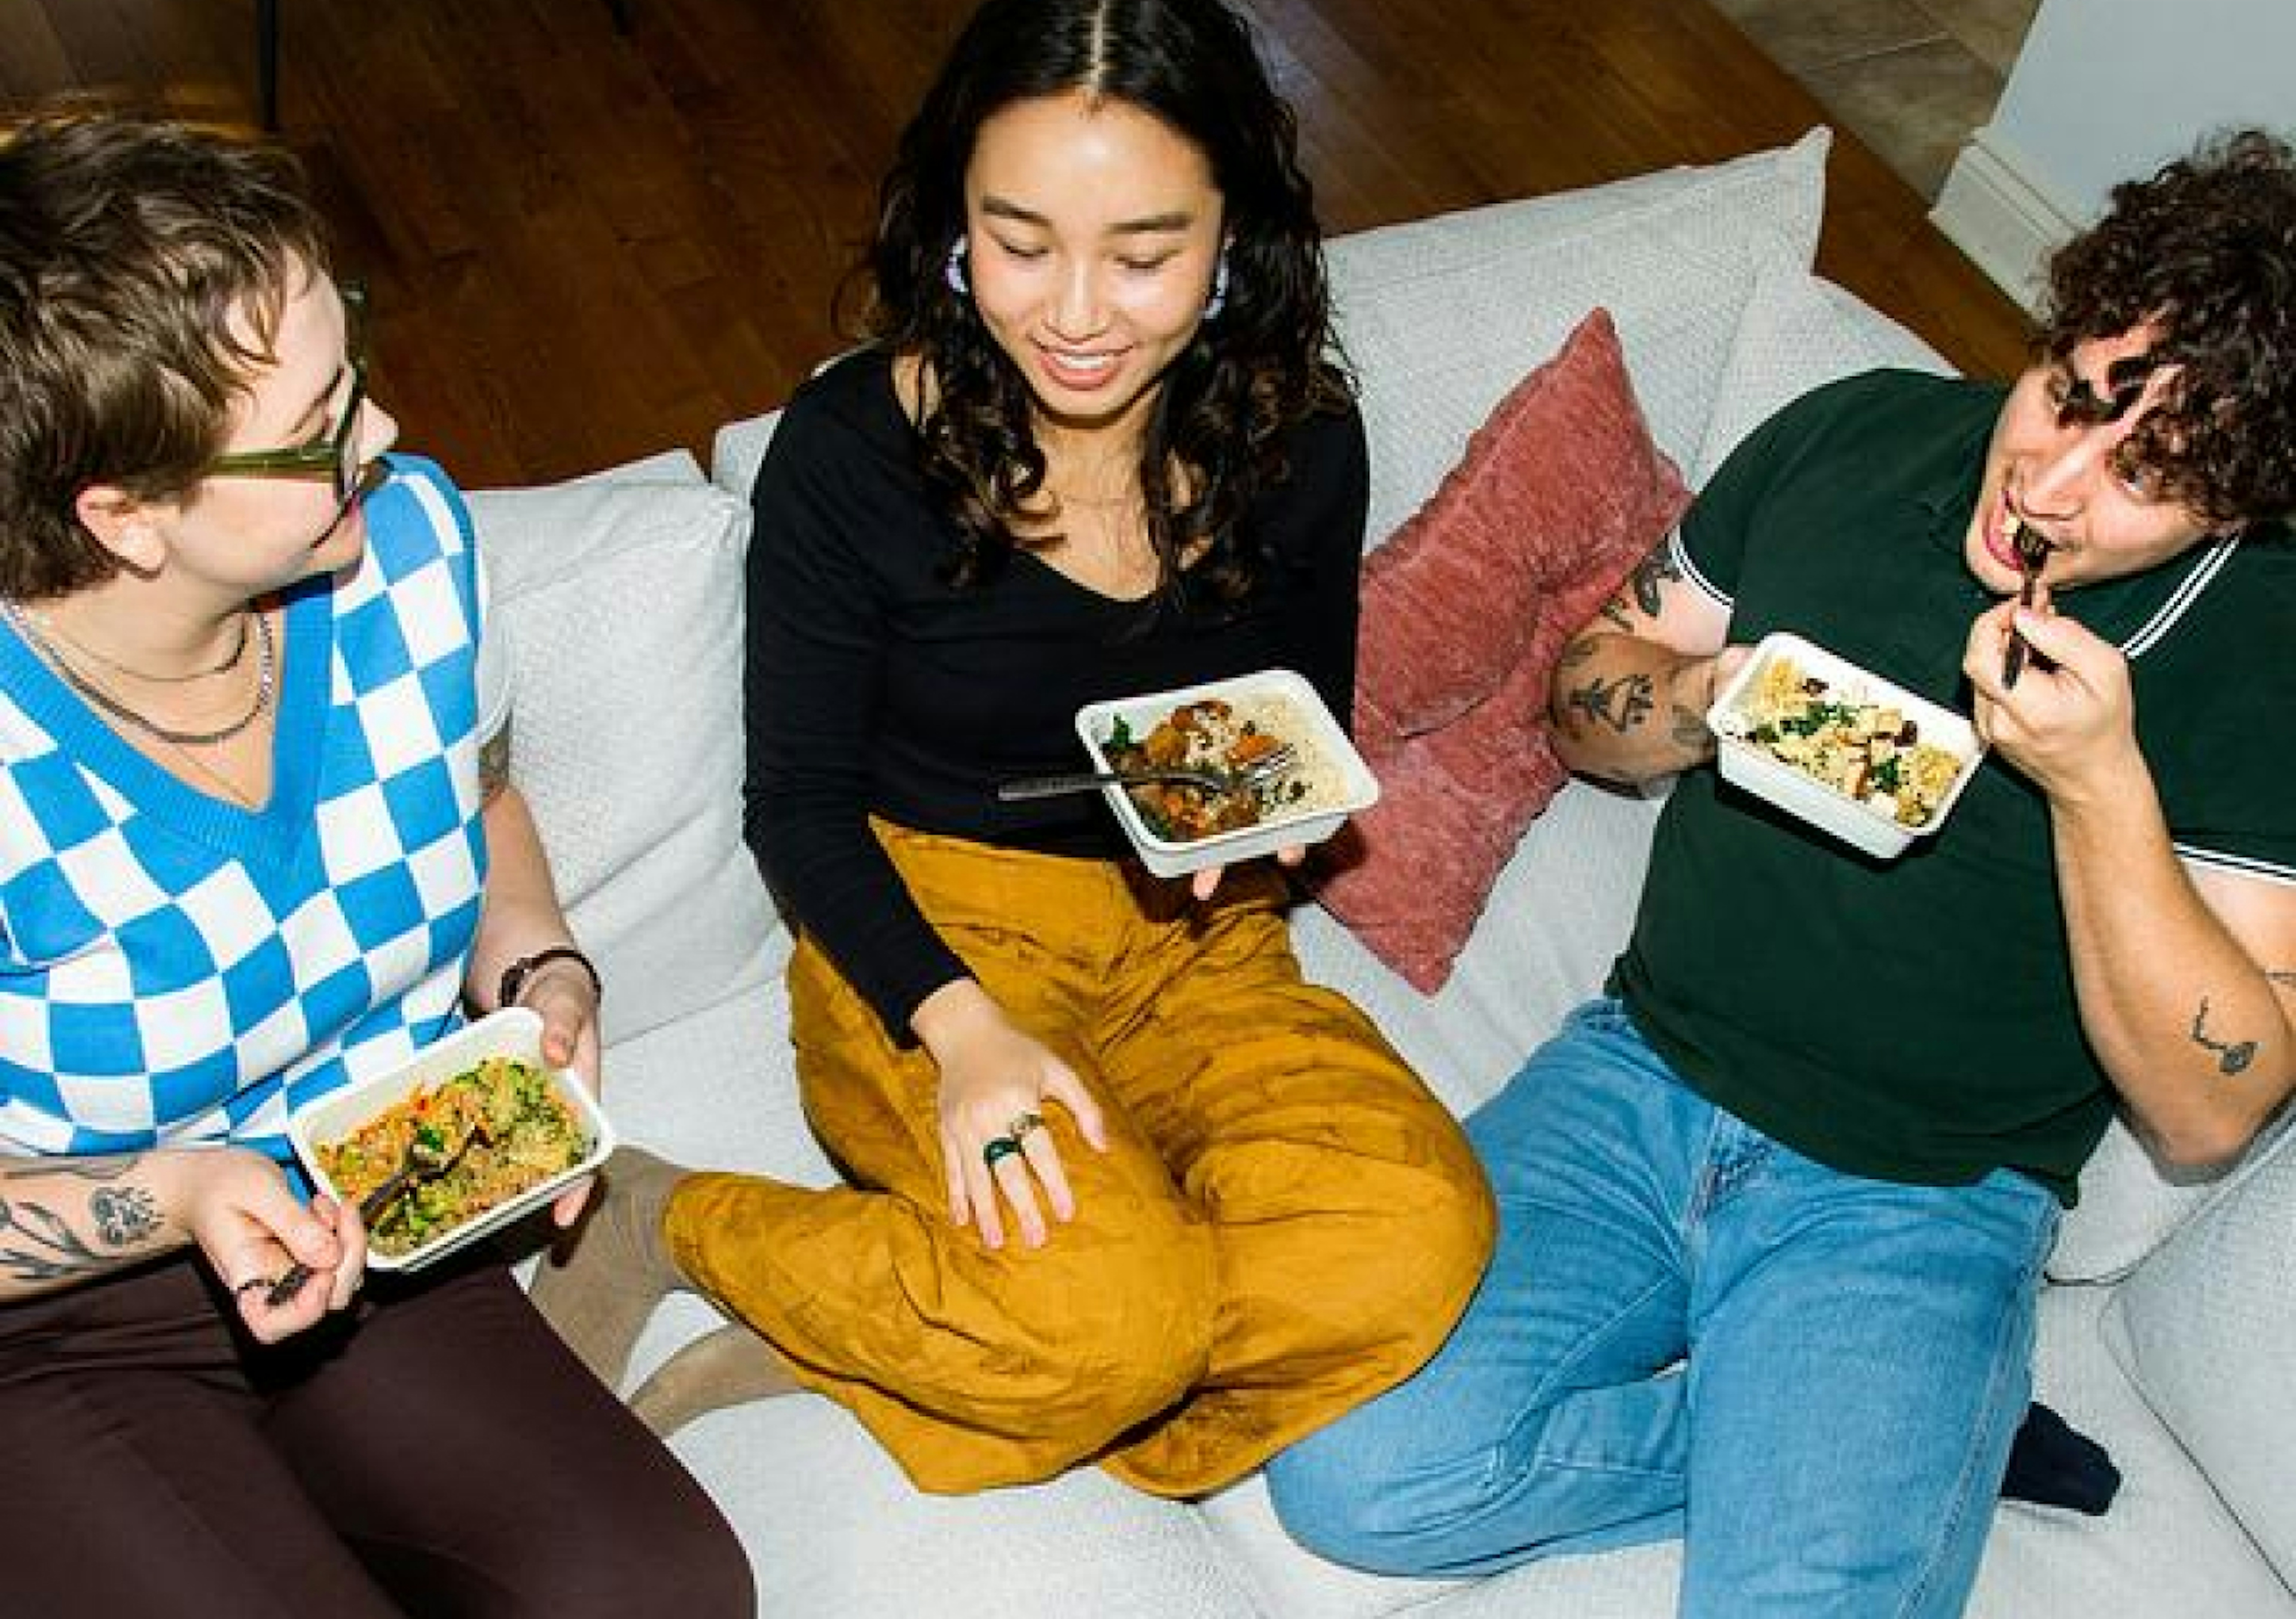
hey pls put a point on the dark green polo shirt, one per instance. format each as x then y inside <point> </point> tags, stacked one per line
<point>1914,1019</point>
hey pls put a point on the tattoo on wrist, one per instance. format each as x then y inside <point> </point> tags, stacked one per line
<point>37,1243</point>
<point>2232,1057</point>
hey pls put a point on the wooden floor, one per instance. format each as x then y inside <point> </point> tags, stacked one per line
<point>585,246</point>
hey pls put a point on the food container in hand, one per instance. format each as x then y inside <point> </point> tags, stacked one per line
<point>515,1033</point>
<point>1338,783</point>
<point>1869,819</point>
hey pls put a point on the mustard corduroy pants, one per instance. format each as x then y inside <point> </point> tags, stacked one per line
<point>1285,1222</point>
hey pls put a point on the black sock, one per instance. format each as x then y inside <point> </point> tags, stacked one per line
<point>2055,1465</point>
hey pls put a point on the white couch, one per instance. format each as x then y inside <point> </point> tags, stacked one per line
<point>622,595</point>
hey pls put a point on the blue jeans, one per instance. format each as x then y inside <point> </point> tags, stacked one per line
<point>1690,1330</point>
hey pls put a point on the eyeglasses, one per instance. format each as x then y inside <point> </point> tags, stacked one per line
<point>334,456</point>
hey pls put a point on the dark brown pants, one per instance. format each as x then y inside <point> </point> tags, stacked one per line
<point>440,1454</point>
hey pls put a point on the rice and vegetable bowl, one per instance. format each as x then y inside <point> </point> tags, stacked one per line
<point>1871,753</point>
<point>1222,736</point>
<point>513,1130</point>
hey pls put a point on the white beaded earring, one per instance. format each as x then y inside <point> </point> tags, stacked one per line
<point>952,270</point>
<point>1218,301</point>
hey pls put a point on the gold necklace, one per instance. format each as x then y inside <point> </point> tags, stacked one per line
<point>56,632</point>
<point>267,656</point>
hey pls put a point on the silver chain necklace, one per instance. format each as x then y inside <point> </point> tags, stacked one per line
<point>266,660</point>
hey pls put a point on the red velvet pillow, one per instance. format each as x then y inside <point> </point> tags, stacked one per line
<point>1560,493</point>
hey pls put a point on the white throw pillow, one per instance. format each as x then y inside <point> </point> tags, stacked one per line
<point>623,596</point>
<point>1798,332</point>
<point>2206,1330</point>
<point>1441,317</point>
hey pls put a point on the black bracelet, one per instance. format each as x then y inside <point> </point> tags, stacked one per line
<point>518,972</point>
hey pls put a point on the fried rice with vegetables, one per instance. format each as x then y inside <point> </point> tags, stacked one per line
<point>519,1133</point>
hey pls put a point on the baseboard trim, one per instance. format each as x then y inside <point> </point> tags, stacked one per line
<point>2007,225</point>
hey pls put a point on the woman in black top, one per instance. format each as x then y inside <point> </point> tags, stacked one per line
<point>1124,1187</point>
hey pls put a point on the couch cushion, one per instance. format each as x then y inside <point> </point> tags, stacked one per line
<point>1464,611</point>
<point>2130,1204</point>
<point>1796,331</point>
<point>1441,316</point>
<point>622,596</point>
<point>737,452</point>
<point>2206,1328</point>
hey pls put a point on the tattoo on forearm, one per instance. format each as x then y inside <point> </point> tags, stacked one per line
<point>2232,1056</point>
<point>1620,704</point>
<point>39,1244</point>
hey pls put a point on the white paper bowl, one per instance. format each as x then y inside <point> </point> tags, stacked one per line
<point>1096,722</point>
<point>515,1031</point>
<point>1747,765</point>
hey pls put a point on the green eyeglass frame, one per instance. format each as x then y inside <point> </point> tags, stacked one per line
<point>334,458</point>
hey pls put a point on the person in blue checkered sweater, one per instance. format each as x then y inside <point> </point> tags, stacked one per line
<point>258,841</point>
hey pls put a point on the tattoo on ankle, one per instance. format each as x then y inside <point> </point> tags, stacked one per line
<point>2232,1056</point>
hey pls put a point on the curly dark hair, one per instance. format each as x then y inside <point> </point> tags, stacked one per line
<point>2204,252</point>
<point>1269,360</point>
<point>128,247</point>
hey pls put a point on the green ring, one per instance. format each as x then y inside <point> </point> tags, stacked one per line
<point>998,1149</point>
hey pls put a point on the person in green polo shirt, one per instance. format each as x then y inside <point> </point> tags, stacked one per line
<point>1773,1209</point>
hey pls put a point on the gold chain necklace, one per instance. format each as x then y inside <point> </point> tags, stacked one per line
<point>266,662</point>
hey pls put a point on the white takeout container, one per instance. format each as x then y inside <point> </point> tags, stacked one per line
<point>1748,765</point>
<point>515,1031</point>
<point>1096,722</point>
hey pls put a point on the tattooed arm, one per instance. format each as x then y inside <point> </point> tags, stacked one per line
<point>66,1222</point>
<point>1631,690</point>
<point>2185,973</point>
<point>2186,977</point>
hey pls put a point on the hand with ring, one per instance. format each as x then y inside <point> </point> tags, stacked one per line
<point>998,1155</point>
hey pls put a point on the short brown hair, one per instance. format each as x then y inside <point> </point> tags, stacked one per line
<point>2205,253</point>
<point>128,247</point>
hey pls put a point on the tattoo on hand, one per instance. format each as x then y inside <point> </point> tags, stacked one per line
<point>1621,705</point>
<point>2285,980</point>
<point>2232,1057</point>
<point>1690,733</point>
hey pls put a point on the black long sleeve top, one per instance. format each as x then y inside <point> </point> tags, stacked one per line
<point>874,688</point>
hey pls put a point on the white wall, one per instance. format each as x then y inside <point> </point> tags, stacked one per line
<point>2103,91</point>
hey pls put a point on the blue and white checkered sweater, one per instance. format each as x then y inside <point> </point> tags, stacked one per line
<point>175,969</point>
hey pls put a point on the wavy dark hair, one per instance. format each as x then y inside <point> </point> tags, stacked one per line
<point>2205,253</point>
<point>127,247</point>
<point>1266,363</point>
